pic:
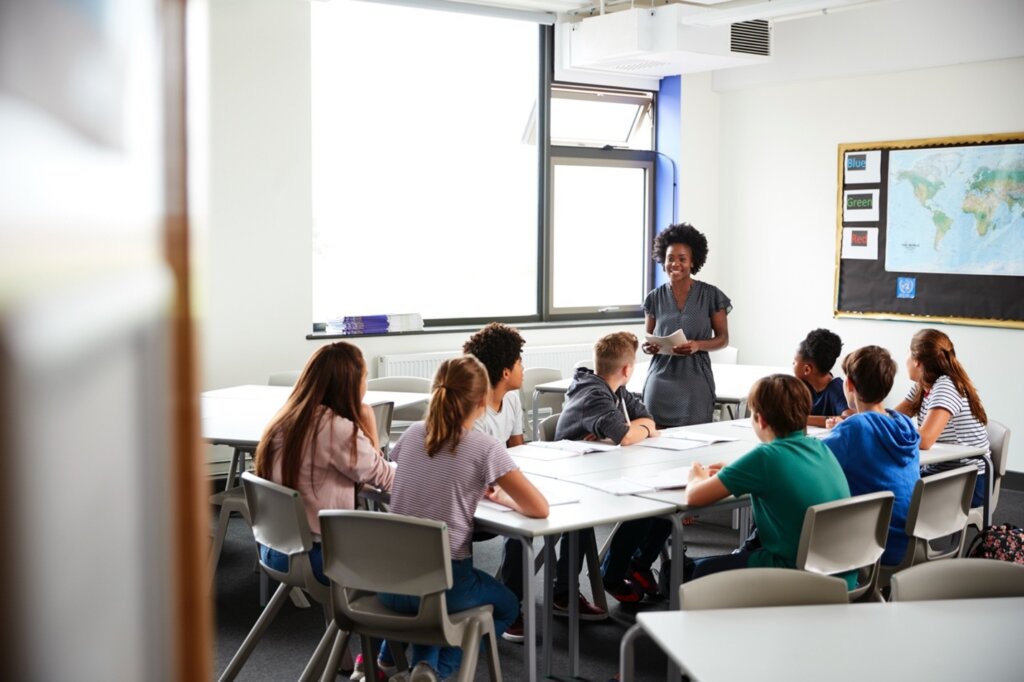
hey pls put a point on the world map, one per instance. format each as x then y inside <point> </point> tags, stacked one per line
<point>956,210</point>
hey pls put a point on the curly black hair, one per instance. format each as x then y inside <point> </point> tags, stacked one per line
<point>683,233</point>
<point>821,348</point>
<point>498,346</point>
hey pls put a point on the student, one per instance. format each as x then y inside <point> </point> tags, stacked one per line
<point>599,406</point>
<point>444,469</point>
<point>812,364</point>
<point>322,443</point>
<point>945,402</point>
<point>877,448</point>
<point>500,348</point>
<point>784,476</point>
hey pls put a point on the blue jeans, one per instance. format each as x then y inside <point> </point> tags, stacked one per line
<point>279,562</point>
<point>717,564</point>
<point>470,588</point>
<point>640,540</point>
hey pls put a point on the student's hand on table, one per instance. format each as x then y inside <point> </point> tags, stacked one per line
<point>495,494</point>
<point>650,348</point>
<point>698,472</point>
<point>590,437</point>
<point>831,422</point>
<point>715,468</point>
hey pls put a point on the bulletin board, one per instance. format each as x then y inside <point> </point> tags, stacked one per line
<point>932,229</point>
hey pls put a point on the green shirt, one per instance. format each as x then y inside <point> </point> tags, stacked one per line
<point>784,478</point>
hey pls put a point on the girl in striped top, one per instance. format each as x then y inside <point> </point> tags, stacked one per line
<point>945,402</point>
<point>445,468</point>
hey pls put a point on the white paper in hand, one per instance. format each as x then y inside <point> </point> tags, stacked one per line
<point>666,343</point>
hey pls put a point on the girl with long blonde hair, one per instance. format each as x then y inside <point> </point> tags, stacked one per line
<point>444,469</point>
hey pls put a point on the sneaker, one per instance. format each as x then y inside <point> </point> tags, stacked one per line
<point>560,606</point>
<point>357,672</point>
<point>384,672</point>
<point>515,631</point>
<point>422,672</point>
<point>624,591</point>
<point>645,579</point>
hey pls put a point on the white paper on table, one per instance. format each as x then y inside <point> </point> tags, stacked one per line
<point>619,486</point>
<point>818,431</point>
<point>494,506</point>
<point>579,447</point>
<point>535,450</point>
<point>744,424</point>
<point>558,497</point>
<point>671,443</point>
<point>683,433</point>
<point>666,343</point>
<point>663,481</point>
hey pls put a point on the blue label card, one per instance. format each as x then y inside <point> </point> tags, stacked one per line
<point>906,287</point>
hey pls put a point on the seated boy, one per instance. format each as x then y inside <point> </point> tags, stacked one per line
<point>812,364</point>
<point>784,476</point>
<point>598,406</point>
<point>877,448</point>
<point>500,348</point>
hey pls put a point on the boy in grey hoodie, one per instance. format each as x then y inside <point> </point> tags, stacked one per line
<point>877,448</point>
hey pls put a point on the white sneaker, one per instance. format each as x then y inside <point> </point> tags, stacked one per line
<point>422,672</point>
<point>400,677</point>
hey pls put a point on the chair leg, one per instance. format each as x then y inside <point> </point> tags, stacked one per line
<point>218,543</point>
<point>626,650</point>
<point>594,572</point>
<point>470,651</point>
<point>493,661</point>
<point>256,633</point>
<point>339,643</point>
<point>313,666</point>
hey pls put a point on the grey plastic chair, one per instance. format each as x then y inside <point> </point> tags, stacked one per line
<point>847,535</point>
<point>761,587</point>
<point>360,565</point>
<point>548,426</point>
<point>284,378</point>
<point>279,522</point>
<point>383,413</point>
<point>959,579</point>
<point>746,588</point>
<point>999,443</point>
<point>938,513</point>
<point>403,416</point>
<point>546,403</point>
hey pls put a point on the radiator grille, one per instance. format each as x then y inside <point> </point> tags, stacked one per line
<point>562,358</point>
<point>751,37</point>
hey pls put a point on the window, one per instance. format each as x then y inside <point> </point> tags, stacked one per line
<point>424,192</point>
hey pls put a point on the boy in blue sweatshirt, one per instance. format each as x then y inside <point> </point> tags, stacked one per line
<point>877,448</point>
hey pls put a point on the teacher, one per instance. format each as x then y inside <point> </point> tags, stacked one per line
<point>680,388</point>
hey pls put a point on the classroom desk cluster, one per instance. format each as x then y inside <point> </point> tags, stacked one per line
<point>586,490</point>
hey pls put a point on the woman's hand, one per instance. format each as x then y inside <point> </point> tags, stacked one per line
<point>650,348</point>
<point>688,348</point>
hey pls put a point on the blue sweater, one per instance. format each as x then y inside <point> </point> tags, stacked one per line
<point>880,452</point>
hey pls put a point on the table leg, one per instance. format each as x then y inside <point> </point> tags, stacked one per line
<point>678,558</point>
<point>549,595</point>
<point>529,619</point>
<point>574,604</point>
<point>627,666</point>
<point>536,429</point>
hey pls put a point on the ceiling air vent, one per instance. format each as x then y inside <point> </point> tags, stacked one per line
<point>751,37</point>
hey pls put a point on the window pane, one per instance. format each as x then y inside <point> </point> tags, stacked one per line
<point>600,222</point>
<point>424,194</point>
<point>595,118</point>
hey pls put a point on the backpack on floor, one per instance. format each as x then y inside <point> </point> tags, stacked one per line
<point>1004,542</point>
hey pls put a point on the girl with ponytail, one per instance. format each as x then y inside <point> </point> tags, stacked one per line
<point>444,469</point>
<point>945,402</point>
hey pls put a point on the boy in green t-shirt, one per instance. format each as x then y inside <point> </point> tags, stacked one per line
<point>785,475</point>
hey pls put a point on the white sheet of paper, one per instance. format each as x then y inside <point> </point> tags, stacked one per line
<point>556,498</point>
<point>862,167</point>
<point>580,447</point>
<point>667,443</point>
<point>494,506</point>
<point>545,454</point>
<point>682,433</point>
<point>619,486</point>
<point>667,480</point>
<point>665,343</point>
<point>860,205</point>
<point>860,243</point>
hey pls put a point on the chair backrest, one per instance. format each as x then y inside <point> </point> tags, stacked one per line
<point>284,378</point>
<point>383,413</point>
<point>724,356</point>
<point>407,385</point>
<point>356,557</point>
<point>959,579</point>
<point>846,535</point>
<point>548,427</point>
<point>939,509</point>
<point>588,363</point>
<point>278,515</point>
<point>548,401</point>
<point>999,443</point>
<point>761,587</point>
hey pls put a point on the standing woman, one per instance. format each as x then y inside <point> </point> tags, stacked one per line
<point>945,402</point>
<point>680,388</point>
<point>323,442</point>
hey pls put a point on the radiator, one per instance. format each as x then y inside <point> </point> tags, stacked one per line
<point>562,358</point>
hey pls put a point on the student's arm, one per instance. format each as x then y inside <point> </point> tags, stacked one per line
<point>934,422</point>
<point>515,490</point>
<point>704,486</point>
<point>904,407</point>
<point>515,440</point>
<point>816,420</point>
<point>639,429</point>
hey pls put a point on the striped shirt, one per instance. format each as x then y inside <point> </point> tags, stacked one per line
<point>963,428</point>
<point>447,486</point>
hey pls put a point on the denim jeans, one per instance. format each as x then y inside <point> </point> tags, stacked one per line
<point>279,562</point>
<point>641,539</point>
<point>470,588</point>
<point>717,564</point>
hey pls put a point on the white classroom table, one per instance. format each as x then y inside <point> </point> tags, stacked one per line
<point>897,641</point>
<point>732,383</point>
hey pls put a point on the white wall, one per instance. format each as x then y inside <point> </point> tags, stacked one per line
<point>776,153</point>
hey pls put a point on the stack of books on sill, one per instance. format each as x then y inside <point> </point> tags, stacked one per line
<point>375,324</point>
